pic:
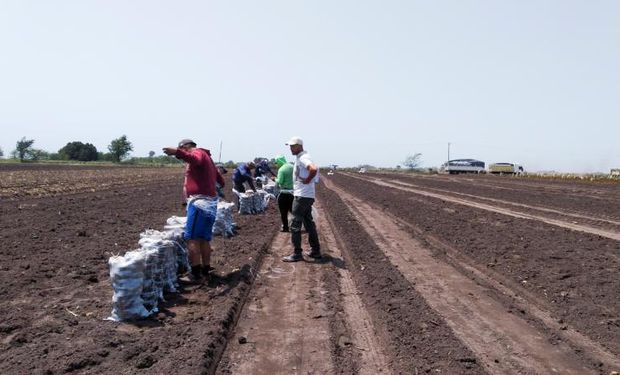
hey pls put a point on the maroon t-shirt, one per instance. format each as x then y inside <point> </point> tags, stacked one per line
<point>200,172</point>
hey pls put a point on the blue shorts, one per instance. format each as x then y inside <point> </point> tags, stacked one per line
<point>200,221</point>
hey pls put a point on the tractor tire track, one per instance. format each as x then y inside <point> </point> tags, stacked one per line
<point>614,235</point>
<point>504,342</point>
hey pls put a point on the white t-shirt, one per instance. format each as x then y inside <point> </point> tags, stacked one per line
<point>301,172</point>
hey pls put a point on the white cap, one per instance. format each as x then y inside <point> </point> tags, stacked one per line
<point>295,141</point>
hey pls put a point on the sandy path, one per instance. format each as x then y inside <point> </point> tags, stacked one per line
<point>283,320</point>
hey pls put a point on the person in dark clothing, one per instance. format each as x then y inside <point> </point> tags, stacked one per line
<point>284,182</point>
<point>241,175</point>
<point>262,168</point>
<point>220,188</point>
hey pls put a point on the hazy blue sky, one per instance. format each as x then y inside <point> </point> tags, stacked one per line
<point>362,82</point>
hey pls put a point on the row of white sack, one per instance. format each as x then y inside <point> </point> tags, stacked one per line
<point>251,203</point>
<point>140,277</point>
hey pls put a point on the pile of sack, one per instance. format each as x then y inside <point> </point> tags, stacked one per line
<point>224,225</point>
<point>271,188</point>
<point>140,277</point>
<point>251,203</point>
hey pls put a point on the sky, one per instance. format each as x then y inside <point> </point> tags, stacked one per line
<point>362,82</point>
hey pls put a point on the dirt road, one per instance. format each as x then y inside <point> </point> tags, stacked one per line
<point>285,326</point>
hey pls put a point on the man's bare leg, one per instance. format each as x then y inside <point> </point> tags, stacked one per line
<point>195,258</point>
<point>205,252</point>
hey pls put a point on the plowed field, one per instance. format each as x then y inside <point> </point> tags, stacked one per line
<point>420,274</point>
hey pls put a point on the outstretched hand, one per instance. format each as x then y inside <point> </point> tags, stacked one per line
<point>169,150</point>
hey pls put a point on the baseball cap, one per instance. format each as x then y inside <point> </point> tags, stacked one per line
<point>186,141</point>
<point>295,141</point>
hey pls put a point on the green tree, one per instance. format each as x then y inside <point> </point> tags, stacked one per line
<point>78,151</point>
<point>119,148</point>
<point>23,149</point>
<point>88,153</point>
<point>413,161</point>
<point>1,152</point>
<point>70,151</point>
<point>151,154</point>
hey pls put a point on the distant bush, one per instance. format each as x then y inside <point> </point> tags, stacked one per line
<point>162,159</point>
<point>37,154</point>
<point>105,156</point>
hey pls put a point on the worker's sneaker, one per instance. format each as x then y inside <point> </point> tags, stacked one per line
<point>295,257</point>
<point>314,254</point>
<point>190,279</point>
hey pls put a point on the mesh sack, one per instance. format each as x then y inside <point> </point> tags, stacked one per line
<point>127,276</point>
<point>224,225</point>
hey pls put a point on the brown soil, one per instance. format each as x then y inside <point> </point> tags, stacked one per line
<point>597,200</point>
<point>56,290</point>
<point>418,340</point>
<point>570,274</point>
<point>367,310</point>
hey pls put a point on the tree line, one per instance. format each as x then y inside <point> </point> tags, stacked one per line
<point>118,150</point>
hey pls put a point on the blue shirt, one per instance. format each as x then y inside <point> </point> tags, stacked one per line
<point>242,174</point>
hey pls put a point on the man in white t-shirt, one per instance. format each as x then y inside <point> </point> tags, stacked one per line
<point>305,176</point>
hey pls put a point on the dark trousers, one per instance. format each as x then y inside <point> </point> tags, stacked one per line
<point>285,204</point>
<point>239,186</point>
<point>302,213</point>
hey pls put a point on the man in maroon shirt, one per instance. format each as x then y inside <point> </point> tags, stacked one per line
<point>201,174</point>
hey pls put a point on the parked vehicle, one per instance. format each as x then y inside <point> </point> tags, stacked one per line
<point>464,166</point>
<point>506,168</point>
